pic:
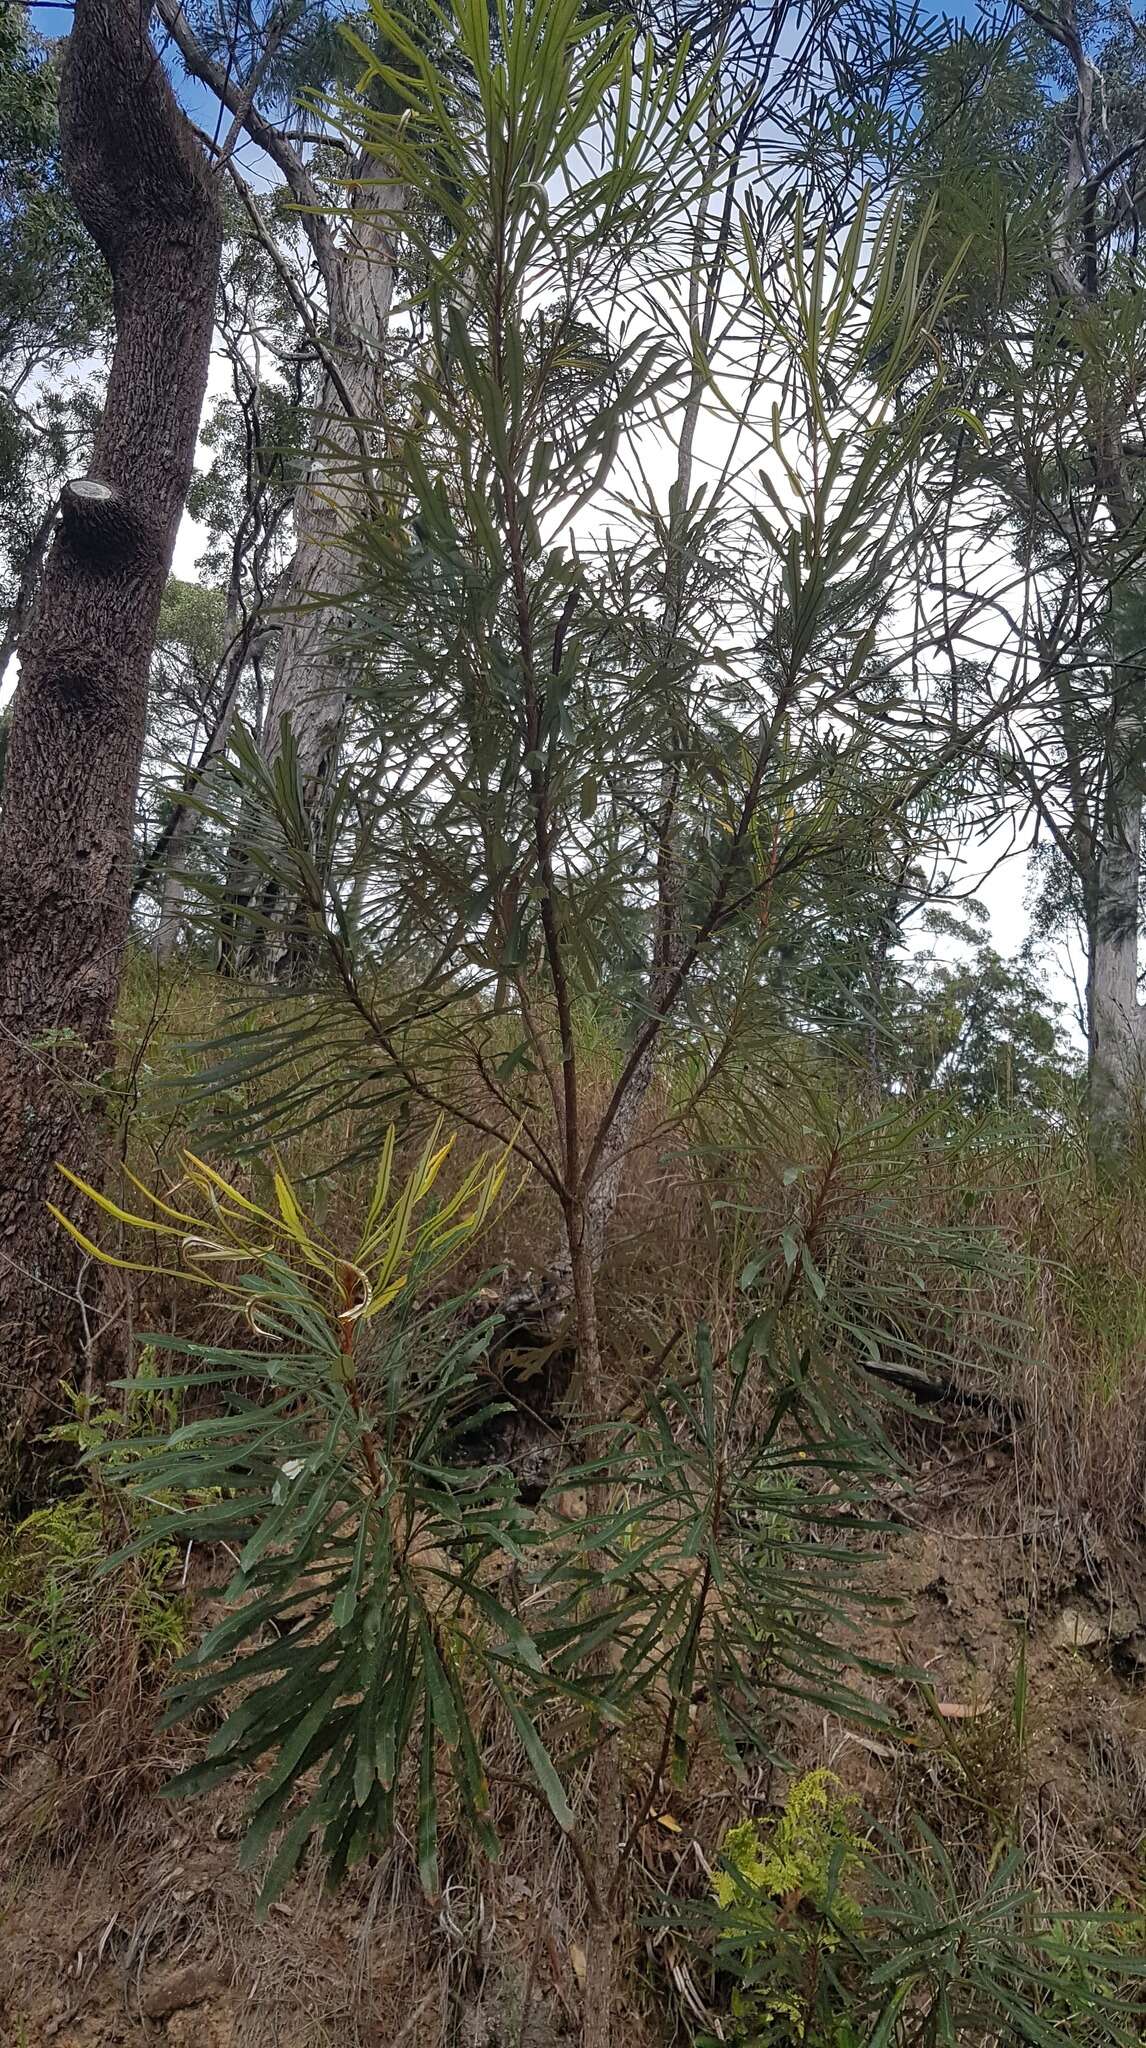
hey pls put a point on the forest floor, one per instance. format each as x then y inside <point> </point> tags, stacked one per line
<point>131,1922</point>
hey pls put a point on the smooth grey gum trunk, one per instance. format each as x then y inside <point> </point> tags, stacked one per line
<point>311,683</point>
<point>1116,1029</point>
<point>1115,1022</point>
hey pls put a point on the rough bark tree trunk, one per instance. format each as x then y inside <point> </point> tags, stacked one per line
<point>143,189</point>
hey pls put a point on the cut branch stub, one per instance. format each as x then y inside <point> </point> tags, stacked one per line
<point>100,525</point>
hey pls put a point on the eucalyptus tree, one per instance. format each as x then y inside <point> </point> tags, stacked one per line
<point>1035,158</point>
<point>142,187</point>
<point>980,1031</point>
<point>837,928</point>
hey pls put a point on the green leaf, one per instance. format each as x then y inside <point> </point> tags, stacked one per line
<point>342,1612</point>
<point>540,1759</point>
<point>443,1706</point>
<point>287,1858</point>
<point>427,1825</point>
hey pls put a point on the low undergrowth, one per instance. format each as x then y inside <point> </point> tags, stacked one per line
<point>58,1601</point>
<point>410,1680</point>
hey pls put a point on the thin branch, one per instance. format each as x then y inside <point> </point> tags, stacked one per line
<point>262,132</point>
